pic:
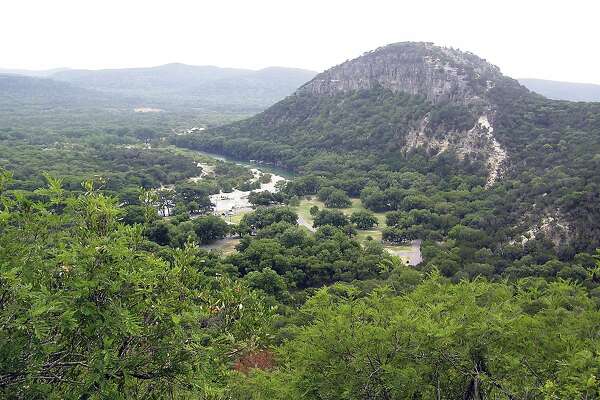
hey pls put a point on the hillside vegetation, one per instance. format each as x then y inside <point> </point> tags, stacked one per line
<point>120,278</point>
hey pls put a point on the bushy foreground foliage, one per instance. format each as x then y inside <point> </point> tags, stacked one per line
<point>472,340</point>
<point>91,309</point>
<point>88,310</point>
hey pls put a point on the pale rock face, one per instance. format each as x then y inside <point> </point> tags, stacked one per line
<point>478,140</point>
<point>496,153</point>
<point>552,225</point>
<point>420,138</point>
<point>439,74</point>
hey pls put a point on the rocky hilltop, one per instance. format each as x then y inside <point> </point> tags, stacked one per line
<point>440,74</point>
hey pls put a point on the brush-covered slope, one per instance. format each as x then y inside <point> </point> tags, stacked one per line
<point>395,98</point>
<point>449,115</point>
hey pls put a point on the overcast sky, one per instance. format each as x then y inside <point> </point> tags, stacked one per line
<point>526,38</point>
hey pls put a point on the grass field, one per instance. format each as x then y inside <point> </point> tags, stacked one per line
<point>237,218</point>
<point>229,246</point>
<point>303,210</point>
<point>305,204</point>
<point>374,234</point>
<point>226,246</point>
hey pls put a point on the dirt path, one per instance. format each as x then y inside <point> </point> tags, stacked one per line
<point>305,223</point>
<point>227,245</point>
<point>413,255</point>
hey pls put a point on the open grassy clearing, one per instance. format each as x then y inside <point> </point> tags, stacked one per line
<point>237,218</point>
<point>305,205</point>
<point>229,246</point>
<point>364,235</point>
<point>303,210</point>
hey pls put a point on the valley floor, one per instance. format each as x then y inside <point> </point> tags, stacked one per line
<point>409,254</point>
<point>234,205</point>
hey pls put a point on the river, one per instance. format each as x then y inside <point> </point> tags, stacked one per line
<point>236,202</point>
<point>266,168</point>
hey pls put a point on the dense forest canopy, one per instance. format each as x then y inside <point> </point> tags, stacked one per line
<point>92,308</point>
<point>120,278</point>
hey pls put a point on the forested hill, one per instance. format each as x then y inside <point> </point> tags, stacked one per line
<point>525,163</point>
<point>19,91</point>
<point>396,98</point>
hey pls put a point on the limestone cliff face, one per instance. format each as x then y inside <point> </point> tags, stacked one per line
<point>478,140</point>
<point>437,73</point>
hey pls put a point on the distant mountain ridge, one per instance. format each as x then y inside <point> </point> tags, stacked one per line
<point>33,73</point>
<point>171,86</point>
<point>163,76</point>
<point>186,85</point>
<point>558,90</point>
<point>20,90</point>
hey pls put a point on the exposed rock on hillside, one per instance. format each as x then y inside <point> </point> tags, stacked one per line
<point>552,226</point>
<point>479,140</point>
<point>423,69</point>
